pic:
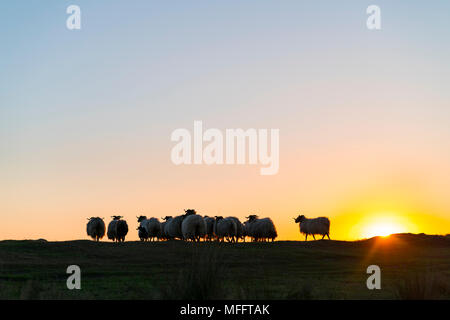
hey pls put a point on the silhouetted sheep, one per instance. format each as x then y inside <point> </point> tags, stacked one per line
<point>173,227</point>
<point>193,226</point>
<point>209,221</point>
<point>261,229</point>
<point>117,229</point>
<point>239,228</point>
<point>314,226</point>
<point>152,226</point>
<point>225,229</point>
<point>95,228</point>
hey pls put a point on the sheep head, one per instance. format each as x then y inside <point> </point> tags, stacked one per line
<point>93,218</point>
<point>300,219</point>
<point>141,218</point>
<point>116,217</point>
<point>189,212</point>
<point>252,217</point>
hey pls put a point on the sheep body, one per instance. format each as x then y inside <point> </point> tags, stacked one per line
<point>173,227</point>
<point>320,225</point>
<point>142,233</point>
<point>239,228</point>
<point>96,228</point>
<point>193,227</point>
<point>152,226</point>
<point>117,229</point>
<point>225,228</point>
<point>121,230</point>
<point>112,230</point>
<point>261,229</point>
<point>162,233</point>
<point>209,221</point>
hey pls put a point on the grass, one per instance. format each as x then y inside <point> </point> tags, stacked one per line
<point>202,277</point>
<point>427,285</point>
<point>412,267</point>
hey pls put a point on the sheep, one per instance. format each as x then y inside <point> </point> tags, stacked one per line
<point>261,229</point>
<point>121,230</point>
<point>239,228</point>
<point>165,230</point>
<point>320,225</point>
<point>224,228</point>
<point>117,229</point>
<point>152,227</point>
<point>244,230</point>
<point>112,230</point>
<point>142,233</point>
<point>162,234</point>
<point>173,227</point>
<point>209,221</point>
<point>96,228</point>
<point>193,226</point>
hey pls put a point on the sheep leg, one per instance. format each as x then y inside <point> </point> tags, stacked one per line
<point>306,237</point>
<point>314,237</point>
<point>328,236</point>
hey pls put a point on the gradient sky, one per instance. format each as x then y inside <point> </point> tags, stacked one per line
<point>86,115</point>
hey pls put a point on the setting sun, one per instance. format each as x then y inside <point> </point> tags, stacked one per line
<point>385,224</point>
<point>383,229</point>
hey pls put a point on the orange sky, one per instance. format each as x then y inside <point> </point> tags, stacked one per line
<point>55,203</point>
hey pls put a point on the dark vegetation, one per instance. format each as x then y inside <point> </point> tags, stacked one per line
<point>412,267</point>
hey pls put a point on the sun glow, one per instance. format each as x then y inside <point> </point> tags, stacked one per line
<point>385,225</point>
<point>383,229</point>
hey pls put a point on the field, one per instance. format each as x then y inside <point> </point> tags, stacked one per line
<point>412,267</point>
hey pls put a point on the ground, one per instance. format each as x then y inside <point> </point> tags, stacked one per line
<point>412,267</point>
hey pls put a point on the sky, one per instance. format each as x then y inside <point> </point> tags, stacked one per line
<point>86,115</point>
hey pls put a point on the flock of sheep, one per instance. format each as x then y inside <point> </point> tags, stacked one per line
<point>193,227</point>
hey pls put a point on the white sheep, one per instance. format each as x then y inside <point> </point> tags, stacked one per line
<point>117,229</point>
<point>112,230</point>
<point>314,226</point>
<point>193,226</point>
<point>162,234</point>
<point>165,230</point>
<point>152,227</point>
<point>209,227</point>
<point>245,230</point>
<point>239,228</point>
<point>95,228</point>
<point>225,228</point>
<point>173,227</point>
<point>142,233</point>
<point>260,229</point>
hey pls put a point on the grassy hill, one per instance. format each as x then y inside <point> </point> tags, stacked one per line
<point>412,267</point>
